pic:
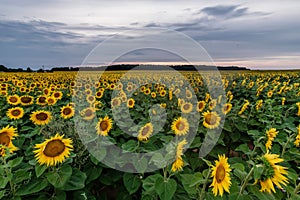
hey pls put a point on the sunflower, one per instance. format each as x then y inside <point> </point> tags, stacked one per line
<point>46,91</point>
<point>88,113</point>
<point>51,100</point>
<point>13,99</point>
<point>271,134</point>
<point>26,100</point>
<point>67,112</point>
<point>145,132</point>
<point>91,99</point>
<point>270,93</point>
<point>297,141</point>
<point>115,102</point>
<point>15,113</point>
<point>298,104</point>
<point>178,163</point>
<point>180,126</point>
<point>259,104</point>
<point>211,120</point>
<point>200,106</point>
<point>7,134</point>
<point>57,95</point>
<point>41,117</point>
<point>244,107</point>
<point>226,108</point>
<point>274,173</point>
<point>41,100</point>
<point>212,104</point>
<point>188,94</point>
<point>153,95</point>
<point>53,151</point>
<point>186,107</point>
<point>99,94</point>
<point>283,99</point>
<point>207,97</point>
<point>221,176</point>
<point>104,125</point>
<point>130,103</point>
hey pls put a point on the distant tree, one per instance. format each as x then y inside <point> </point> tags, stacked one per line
<point>3,68</point>
<point>28,69</point>
<point>40,70</point>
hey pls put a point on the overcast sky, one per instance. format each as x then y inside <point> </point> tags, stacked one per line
<point>256,34</point>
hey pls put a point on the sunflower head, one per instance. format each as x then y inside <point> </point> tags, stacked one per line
<point>200,106</point>
<point>41,117</point>
<point>180,126</point>
<point>88,113</point>
<point>211,120</point>
<point>226,108</point>
<point>13,99</point>
<point>130,103</point>
<point>67,112</point>
<point>221,176</point>
<point>26,100</point>
<point>104,125</point>
<point>53,151</point>
<point>186,107</point>
<point>15,113</point>
<point>7,134</point>
<point>145,132</point>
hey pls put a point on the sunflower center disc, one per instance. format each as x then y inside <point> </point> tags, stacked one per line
<point>54,148</point>
<point>220,174</point>
<point>67,111</point>
<point>26,99</point>
<point>180,126</point>
<point>103,125</point>
<point>42,116</point>
<point>186,107</point>
<point>88,113</point>
<point>4,139</point>
<point>42,99</point>
<point>13,99</point>
<point>145,131</point>
<point>16,112</point>
<point>210,119</point>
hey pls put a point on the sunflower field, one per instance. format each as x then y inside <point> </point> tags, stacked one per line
<point>70,136</point>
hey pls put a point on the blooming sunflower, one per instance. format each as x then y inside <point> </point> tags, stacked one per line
<point>57,95</point>
<point>53,151</point>
<point>259,104</point>
<point>180,126</point>
<point>67,112</point>
<point>13,99</point>
<point>104,125</point>
<point>130,103</point>
<point>244,107</point>
<point>88,113</point>
<point>7,134</point>
<point>178,163</point>
<point>212,104</point>
<point>26,100</point>
<point>51,100</point>
<point>211,120</point>
<point>115,102</point>
<point>186,107</point>
<point>41,117</point>
<point>145,132</point>
<point>200,106</point>
<point>221,176</point>
<point>226,108</point>
<point>15,113</point>
<point>41,100</point>
<point>274,173</point>
<point>298,104</point>
<point>271,134</point>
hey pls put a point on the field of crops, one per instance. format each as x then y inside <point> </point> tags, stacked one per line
<point>150,135</point>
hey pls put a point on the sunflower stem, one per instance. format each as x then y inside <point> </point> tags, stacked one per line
<point>285,145</point>
<point>255,147</point>
<point>246,181</point>
<point>204,185</point>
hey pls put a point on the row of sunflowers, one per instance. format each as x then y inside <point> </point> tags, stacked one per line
<point>52,124</point>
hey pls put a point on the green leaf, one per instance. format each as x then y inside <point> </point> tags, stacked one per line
<point>131,145</point>
<point>238,166</point>
<point>33,186</point>
<point>76,181</point>
<point>40,169</point>
<point>258,172</point>
<point>2,193</point>
<point>3,182</point>
<point>260,195</point>
<point>131,182</point>
<point>149,182</point>
<point>240,174</point>
<point>15,162</point>
<point>93,173</point>
<point>243,148</point>
<point>191,182</point>
<point>60,195</point>
<point>59,179</point>
<point>165,189</point>
<point>141,165</point>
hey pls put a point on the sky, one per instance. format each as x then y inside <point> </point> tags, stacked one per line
<point>255,34</point>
